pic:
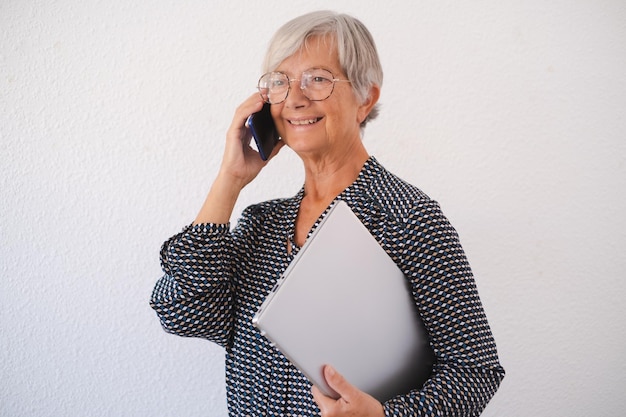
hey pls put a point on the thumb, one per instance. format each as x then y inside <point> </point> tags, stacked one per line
<point>338,383</point>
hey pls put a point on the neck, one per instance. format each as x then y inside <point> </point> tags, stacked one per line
<point>327,176</point>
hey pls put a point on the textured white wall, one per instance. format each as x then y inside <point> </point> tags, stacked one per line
<point>112,114</point>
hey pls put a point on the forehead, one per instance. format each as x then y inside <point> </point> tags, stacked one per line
<point>316,52</point>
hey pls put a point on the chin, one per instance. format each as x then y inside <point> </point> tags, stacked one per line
<point>305,145</point>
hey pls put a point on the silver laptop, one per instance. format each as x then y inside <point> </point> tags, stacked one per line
<point>344,302</point>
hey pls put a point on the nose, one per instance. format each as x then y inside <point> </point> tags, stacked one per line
<point>296,97</point>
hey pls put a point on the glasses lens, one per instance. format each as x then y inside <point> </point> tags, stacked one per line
<point>317,84</point>
<point>274,87</point>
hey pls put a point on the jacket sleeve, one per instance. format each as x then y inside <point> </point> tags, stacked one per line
<point>467,371</point>
<point>194,296</point>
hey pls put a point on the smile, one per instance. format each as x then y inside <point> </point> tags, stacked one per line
<point>304,121</point>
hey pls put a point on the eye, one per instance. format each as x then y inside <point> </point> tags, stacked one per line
<point>319,79</point>
<point>276,83</point>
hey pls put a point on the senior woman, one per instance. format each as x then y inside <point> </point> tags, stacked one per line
<point>324,84</point>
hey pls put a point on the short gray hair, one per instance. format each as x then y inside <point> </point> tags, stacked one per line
<point>355,46</point>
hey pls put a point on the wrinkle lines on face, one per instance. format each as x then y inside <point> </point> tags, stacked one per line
<point>317,127</point>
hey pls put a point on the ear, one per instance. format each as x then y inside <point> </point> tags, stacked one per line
<point>366,107</point>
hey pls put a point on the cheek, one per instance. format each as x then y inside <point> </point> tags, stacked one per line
<point>347,106</point>
<point>344,117</point>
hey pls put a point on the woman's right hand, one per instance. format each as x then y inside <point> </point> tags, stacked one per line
<point>240,165</point>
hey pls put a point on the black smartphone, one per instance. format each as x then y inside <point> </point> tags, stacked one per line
<point>263,131</point>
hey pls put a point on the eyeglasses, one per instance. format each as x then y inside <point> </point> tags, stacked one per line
<point>317,84</point>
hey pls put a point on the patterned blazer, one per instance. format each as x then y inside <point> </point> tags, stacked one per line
<point>215,279</point>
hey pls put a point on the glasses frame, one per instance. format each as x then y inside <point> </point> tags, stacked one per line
<point>302,88</point>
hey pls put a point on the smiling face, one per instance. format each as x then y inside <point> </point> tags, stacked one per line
<point>319,127</point>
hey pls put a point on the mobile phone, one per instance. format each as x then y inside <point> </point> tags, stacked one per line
<point>263,131</point>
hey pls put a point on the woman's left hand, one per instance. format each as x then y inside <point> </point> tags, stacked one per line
<point>353,402</point>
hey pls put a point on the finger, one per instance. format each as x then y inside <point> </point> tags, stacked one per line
<point>337,382</point>
<point>323,402</point>
<point>238,132</point>
<point>253,104</point>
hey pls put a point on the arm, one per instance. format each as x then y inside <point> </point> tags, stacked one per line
<point>194,296</point>
<point>240,165</point>
<point>467,372</point>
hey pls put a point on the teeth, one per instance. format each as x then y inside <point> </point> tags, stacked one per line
<point>303,122</point>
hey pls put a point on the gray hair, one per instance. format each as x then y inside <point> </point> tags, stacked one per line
<point>355,46</point>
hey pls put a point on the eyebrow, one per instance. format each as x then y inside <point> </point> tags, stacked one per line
<point>332,71</point>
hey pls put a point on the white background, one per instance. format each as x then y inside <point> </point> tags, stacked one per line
<point>512,114</point>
